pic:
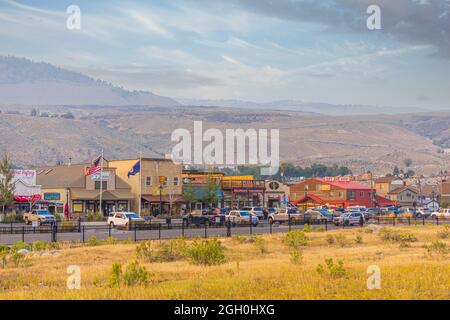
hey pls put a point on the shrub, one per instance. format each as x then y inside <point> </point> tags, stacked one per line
<point>53,245</point>
<point>334,270</point>
<point>94,216</point>
<point>296,256</point>
<point>20,245</point>
<point>320,229</point>
<point>13,218</point>
<point>244,239</point>
<point>260,243</point>
<point>18,260</point>
<point>110,240</point>
<point>167,251</point>
<point>116,275</point>
<point>93,241</point>
<point>438,247</point>
<point>307,228</point>
<point>295,239</point>
<point>206,252</point>
<point>358,239</point>
<point>39,245</point>
<point>329,239</point>
<point>135,274</point>
<point>396,236</point>
<point>444,233</point>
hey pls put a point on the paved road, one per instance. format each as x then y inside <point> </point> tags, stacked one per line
<point>102,231</point>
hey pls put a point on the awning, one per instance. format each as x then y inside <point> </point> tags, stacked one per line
<point>107,195</point>
<point>27,199</point>
<point>383,202</point>
<point>165,198</point>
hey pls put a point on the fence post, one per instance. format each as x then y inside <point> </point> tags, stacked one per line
<point>393,220</point>
<point>109,230</point>
<point>206,230</point>
<point>159,231</point>
<point>409,221</point>
<point>135,232</point>
<point>326,225</point>
<point>423,219</point>
<point>182,228</point>
<point>79,224</point>
<point>228,228</point>
<point>270,224</point>
<point>437,220</point>
<point>83,233</point>
<point>289,221</point>
<point>23,234</point>
<point>251,225</point>
<point>11,227</point>
<point>54,229</point>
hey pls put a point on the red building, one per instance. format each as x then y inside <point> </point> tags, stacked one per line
<point>317,191</point>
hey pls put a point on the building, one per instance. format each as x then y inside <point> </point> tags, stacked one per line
<point>406,196</point>
<point>445,193</point>
<point>198,185</point>
<point>384,185</point>
<point>67,185</point>
<point>242,191</point>
<point>275,193</point>
<point>160,184</point>
<point>317,191</point>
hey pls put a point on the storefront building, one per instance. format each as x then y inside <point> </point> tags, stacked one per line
<point>243,191</point>
<point>276,195</point>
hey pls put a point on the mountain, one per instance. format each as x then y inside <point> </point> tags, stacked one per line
<point>23,81</point>
<point>302,106</point>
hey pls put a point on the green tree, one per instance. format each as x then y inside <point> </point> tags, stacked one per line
<point>211,192</point>
<point>6,185</point>
<point>188,194</point>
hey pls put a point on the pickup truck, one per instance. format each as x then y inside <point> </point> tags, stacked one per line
<point>41,216</point>
<point>283,215</point>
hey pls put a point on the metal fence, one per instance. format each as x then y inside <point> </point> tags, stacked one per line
<point>77,232</point>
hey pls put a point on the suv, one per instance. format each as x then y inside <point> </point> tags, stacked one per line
<point>283,215</point>
<point>41,216</point>
<point>124,219</point>
<point>256,211</point>
<point>442,213</point>
<point>349,219</point>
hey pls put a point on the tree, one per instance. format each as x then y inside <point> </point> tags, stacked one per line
<point>211,192</point>
<point>396,171</point>
<point>6,184</point>
<point>34,113</point>
<point>408,162</point>
<point>188,194</point>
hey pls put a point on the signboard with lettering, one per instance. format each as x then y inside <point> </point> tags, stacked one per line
<point>105,176</point>
<point>52,196</point>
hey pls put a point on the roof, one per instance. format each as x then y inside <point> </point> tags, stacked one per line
<point>427,190</point>
<point>386,179</point>
<point>83,194</point>
<point>402,189</point>
<point>165,198</point>
<point>351,185</point>
<point>383,202</point>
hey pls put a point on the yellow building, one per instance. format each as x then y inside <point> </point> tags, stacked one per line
<point>160,183</point>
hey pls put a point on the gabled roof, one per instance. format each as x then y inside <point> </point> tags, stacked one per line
<point>386,179</point>
<point>351,185</point>
<point>402,189</point>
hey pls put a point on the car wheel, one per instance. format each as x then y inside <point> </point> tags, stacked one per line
<point>26,221</point>
<point>271,220</point>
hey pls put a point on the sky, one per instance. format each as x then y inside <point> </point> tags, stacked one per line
<point>255,50</point>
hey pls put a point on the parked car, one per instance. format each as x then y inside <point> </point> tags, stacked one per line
<point>423,212</point>
<point>318,215</point>
<point>256,211</point>
<point>283,215</point>
<point>41,216</point>
<point>242,217</point>
<point>349,219</point>
<point>196,217</point>
<point>124,219</point>
<point>442,213</point>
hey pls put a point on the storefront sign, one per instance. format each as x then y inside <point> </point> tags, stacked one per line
<point>52,196</point>
<point>247,191</point>
<point>105,176</point>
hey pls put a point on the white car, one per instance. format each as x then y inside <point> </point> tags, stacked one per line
<point>242,217</point>
<point>349,219</point>
<point>442,213</point>
<point>256,211</point>
<point>124,219</point>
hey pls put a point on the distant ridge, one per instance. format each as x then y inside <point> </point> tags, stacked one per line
<point>23,81</point>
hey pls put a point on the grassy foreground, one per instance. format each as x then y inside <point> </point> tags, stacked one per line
<point>411,268</point>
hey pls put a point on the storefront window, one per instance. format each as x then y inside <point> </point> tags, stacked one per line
<point>78,206</point>
<point>122,205</point>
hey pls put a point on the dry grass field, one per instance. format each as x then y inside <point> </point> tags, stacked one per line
<point>414,264</point>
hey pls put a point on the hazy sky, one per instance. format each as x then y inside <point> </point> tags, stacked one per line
<point>258,50</point>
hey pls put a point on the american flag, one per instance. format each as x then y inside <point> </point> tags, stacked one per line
<point>95,167</point>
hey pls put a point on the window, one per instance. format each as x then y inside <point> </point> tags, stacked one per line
<point>175,181</point>
<point>340,194</point>
<point>104,185</point>
<point>361,193</point>
<point>77,206</point>
<point>165,181</point>
<point>148,181</point>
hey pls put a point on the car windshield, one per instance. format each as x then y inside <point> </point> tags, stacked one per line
<point>43,212</point>
<point>132,215</point>
<point>245,213</point>
<point>257,209</point>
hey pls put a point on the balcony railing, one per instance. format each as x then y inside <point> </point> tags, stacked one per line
<point>244,184</point>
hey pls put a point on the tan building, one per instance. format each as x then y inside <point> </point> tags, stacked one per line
<point>405,196</point>
<point>168,191</point>
<point>384,185</point>
<point>68,185</point>
<point>445,193</point>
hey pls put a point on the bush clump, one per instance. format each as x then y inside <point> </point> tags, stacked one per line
<point>260,243</point>
<point>167,251</point>
<point>444,233</point>
<point>334,270</point>
<point>134,275</point>
<point>295,239</point>
<point>296,256</point>
<point>206,252</point>
<point>397,236</point>
<point>438,247</point>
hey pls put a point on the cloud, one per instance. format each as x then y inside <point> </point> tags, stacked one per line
<point>410,21</point>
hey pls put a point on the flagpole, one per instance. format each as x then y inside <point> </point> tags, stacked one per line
<point>101,183</point>
<point>140,182</point>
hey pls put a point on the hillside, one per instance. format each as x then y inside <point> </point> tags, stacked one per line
<point>363,143</point>
<point>23,81</point>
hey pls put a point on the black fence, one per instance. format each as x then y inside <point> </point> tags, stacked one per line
<point>77,232</point>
